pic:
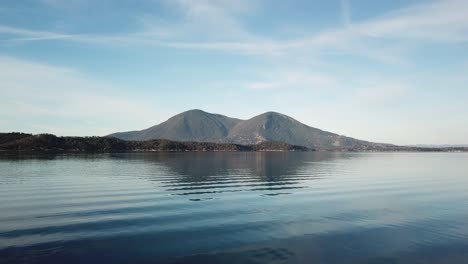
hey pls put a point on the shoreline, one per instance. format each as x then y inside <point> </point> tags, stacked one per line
<point>23,143</point>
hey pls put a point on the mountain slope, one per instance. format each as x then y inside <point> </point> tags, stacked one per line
<point>272,126</point>
<point>193,125</point>
<point>197,125</point>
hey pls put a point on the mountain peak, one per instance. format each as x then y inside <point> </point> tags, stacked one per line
<point>195,111</point>
<point>275,116</point>
<point>272,113</point>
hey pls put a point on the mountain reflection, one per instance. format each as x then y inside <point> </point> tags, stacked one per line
<point>206,174</point>
<point>201,166</point>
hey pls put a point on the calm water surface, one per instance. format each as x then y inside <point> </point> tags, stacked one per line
<point>235,208</point>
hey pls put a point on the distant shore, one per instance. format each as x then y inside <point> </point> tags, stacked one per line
<point>23,142</point>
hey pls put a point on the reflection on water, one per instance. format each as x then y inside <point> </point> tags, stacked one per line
<point>274,207</point>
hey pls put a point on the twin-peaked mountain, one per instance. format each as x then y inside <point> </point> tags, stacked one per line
<point>197,125</point>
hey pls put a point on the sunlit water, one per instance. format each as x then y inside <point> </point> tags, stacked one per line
<point>235,208</point>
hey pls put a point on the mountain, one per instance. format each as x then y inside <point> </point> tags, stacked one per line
<point>193,125</point>
<point>272,126</point>
<point>197,125</point>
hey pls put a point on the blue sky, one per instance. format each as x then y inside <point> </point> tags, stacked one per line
<point>386,71</point>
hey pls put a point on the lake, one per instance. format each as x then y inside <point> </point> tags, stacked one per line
<point>240,207</point>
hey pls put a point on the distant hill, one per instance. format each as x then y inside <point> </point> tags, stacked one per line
<point>10,137</point>
<point>46,142</point>
<point>197,125</point>
<point>440,146</point>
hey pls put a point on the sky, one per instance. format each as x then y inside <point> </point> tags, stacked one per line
<point>385,71</point>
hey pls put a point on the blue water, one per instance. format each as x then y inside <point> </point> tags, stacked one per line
<point>277,207</point>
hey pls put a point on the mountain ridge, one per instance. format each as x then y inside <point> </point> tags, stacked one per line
<point>200,126</point>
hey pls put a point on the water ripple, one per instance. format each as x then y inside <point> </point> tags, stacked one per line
<point>232,200</point>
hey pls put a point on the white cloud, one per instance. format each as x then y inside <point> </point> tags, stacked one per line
<point>443,21</point>
<point>217,25</point>
<point>438,21</point>
<point>382,94</point>
<point>346,12</point>
<point>34,91</point>
<point>212,20</point>
<point>29,35</point>
<point>293,80</point>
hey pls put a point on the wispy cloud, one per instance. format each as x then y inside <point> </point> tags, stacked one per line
<point>346,12</point>
<point>382,95</point>
<point>66,98</point>
<point>437,21</point>
<point>294,80</point>
<point>20,34</point>
<point>216,25</point>
<point>205,21</point>
<point>443,21</point>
